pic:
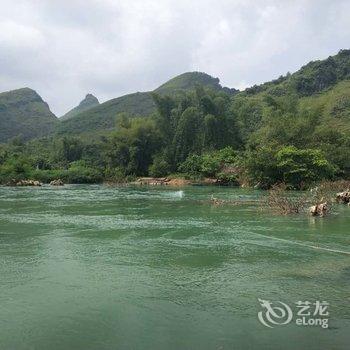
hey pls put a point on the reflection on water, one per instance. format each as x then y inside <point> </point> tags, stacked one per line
<point>94,267</point>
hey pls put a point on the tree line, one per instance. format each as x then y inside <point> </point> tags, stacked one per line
<point>252,139</point>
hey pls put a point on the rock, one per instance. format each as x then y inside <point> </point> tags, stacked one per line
<point>161,181</point>
<point>216,201</point>
<point>343,197</point>
<point>178,182</point>
<point>57,182</point>
<point>12,182</point>
<point>152,181</point>
<point>319,209</point>
<point>28,183</point>
<point>210,181</point>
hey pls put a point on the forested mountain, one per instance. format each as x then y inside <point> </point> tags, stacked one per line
<point>23,113</point>
<point>88,102</point>
<point>295,130</point>
<point>307,110</point>
<point>188,81</point>
<point>138,104</point>
<point>103,116</point>
<point>320,88</point>
<point>314,77</point>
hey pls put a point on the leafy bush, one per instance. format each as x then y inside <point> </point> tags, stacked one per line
<point>160,167</point>
<point>228,179</point>
<point>17,168</point>
<point>295,167</point>
<point>260,167</point>
<point>302,167</point>
<point>192,165</point>
<point>211,164</point>
<point>76,175</point>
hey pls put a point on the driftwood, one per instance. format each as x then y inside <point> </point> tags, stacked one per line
<point>281,201</point>
<point>319,209</point>
<point>216,201</point>
<point>318,202</point>
<point>153,181</point>
<point>161,181</point>
<point>343,197</point>
<point>57,182</point>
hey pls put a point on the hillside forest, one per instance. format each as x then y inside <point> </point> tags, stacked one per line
<point>294,129</point>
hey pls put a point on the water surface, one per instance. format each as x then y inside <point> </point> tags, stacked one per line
<point>95,267</point>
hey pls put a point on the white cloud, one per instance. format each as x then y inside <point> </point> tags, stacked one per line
<point>64,49</point>
<point>18,36</point>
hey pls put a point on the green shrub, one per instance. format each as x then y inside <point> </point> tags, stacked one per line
<point>76,175</point>
<point>301,167</point>
<point>209,164</point>
<point>192,165</point>
<point>17,168</point>
<point>228,179</point>
<point>160,167</point>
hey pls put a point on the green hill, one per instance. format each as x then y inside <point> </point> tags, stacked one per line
<point>138,104</point>
<point>24,113</point>
<point>103,116</point>
<point>293,130</point>
<point>188,81</point>
<point>314,77</point>
<point>309,109</point>
<point>333,106</point>
<point>319,84</point>
<point>88,102</point>
<point>320,87</point>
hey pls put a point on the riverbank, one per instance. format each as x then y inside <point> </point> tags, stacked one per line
<point>178,181</point>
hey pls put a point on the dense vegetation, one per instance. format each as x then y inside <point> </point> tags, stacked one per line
<point>104,116</point>
<point>294,130</point>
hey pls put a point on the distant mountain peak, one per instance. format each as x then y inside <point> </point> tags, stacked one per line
<point>189,80</point>
<point>88,102</point>
<point>104,115</point>
<point>22,94</point>
<point>89,99</point>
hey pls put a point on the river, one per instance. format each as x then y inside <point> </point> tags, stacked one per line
<point>96,267</point>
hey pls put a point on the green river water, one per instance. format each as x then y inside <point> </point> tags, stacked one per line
<point>95,267</point>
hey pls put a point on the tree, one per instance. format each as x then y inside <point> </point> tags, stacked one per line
<point>260,166</point>
<point>300,167</point>
<point>160,167</point>
<point>68,149</point>
<point>187,137</point>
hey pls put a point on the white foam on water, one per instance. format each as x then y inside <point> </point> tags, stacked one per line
<point>177,194</point>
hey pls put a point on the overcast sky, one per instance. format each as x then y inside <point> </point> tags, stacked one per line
<point>65,49</point>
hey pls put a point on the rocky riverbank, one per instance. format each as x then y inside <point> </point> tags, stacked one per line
<point>32,183</point>
<point>165,181</point>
